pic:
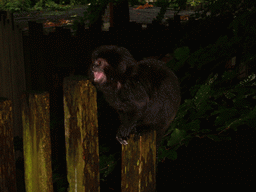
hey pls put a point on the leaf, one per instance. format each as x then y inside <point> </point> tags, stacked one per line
<point>181,53</point>
<point>194,125</point>
<point>171,154</point>
<point>176,137</point>
<point>202,95</point>
<point>225,115</point>
<point>214,137</point>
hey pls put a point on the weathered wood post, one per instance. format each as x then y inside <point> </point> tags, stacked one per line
<point>81,134</point>
<point>37,142</point>
<point>7,158</point>
<point>139,164</point>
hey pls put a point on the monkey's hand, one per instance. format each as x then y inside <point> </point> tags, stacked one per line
<point>123,134</point>
<point>121,140</point>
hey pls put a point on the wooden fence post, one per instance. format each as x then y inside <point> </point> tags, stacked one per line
<point>12,73</point>
<point>37,142</point>
<point>7,158</point>
<point>139,164</point>
<point>81,134</point>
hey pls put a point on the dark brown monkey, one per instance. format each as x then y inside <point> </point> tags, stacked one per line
<point>146,94</point>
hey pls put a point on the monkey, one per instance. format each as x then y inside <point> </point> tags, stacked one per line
<point>146,94</point>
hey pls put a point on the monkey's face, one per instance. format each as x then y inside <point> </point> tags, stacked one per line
<point>104,73</point>
<point>98,69</point>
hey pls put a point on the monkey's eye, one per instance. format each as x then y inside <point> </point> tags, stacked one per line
<point>97,64</point>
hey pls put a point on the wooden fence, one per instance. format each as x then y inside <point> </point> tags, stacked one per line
<point>138,171</point>
<point>33,61</point>
<point>12,72</point>
<point>39,55</point>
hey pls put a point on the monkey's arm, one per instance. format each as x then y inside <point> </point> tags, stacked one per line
<point>134,110</point>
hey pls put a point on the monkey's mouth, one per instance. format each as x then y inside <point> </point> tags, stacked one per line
<point>98,76</point>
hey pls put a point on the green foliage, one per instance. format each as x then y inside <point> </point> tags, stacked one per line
<point>222,7</point>
<point>49,5</point>
<point>217,101</point>
<point>163,153</point>
<point>108,161</point>
<point>194,2</point>
<point>93,13</point>
<point>25,5</point>
<point>221,110</point>
<point>17,5</point>
<point>177,135</point>
<point>59,178</point>
<point>181,53</point>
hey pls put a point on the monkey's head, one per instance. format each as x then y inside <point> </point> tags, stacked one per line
<point>99,67</point>
<point>111,64</point>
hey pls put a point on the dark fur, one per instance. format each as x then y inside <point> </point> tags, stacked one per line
<point>146,94</point>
